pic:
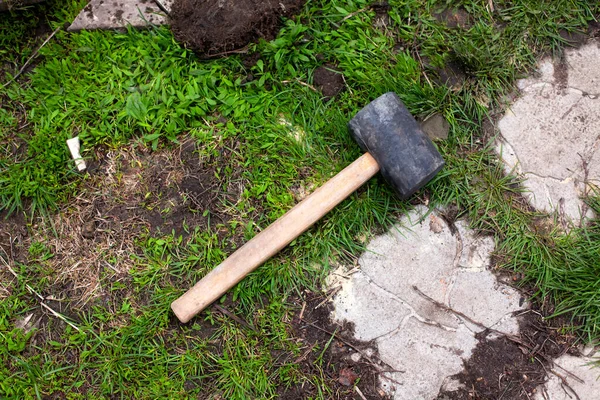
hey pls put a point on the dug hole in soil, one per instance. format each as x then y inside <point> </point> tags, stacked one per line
<point>211,27</point>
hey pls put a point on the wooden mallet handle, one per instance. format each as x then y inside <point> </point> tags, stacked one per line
<point>274,238</point>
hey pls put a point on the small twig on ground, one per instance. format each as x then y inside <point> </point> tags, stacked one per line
<point>308,85</point>
<point>565,385</point>
<point>545,393</point>
<point>572,375</point>
<point>241,50</point>
<point>525,391</point>
<point>234,317</point>
<point>505,389</point>
<point>35,53</point>
<point>162,7</point>
<point>305,354</point>
<point>302,311</point>
<point>354,13</point>
<point>423,69</point>
<point>352,93</point>
<point>329,296</point>
<point>362,396</point>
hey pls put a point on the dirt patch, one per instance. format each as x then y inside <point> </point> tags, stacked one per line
<point>130,192</point>
<point>511,367</point>
<point>436,127</point>
<point>349,366</point>
<point>575,38</point>
<point>13,236</point>
<point>210,27</point>
<point>382,19</point>
<point>561,72</point>
<point>170,191</point>
<point>454,18</point>
<point>452,75</point>
<point>594,29</point>
<point>328,80</point>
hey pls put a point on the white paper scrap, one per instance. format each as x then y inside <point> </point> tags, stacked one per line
<point>74,147</point>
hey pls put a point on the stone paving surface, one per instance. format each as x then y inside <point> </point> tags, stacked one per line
<point>118,14</point>
<point>423,342</point>
<point>586,385</point>
<point>551,134</point>
<point>413,335</point>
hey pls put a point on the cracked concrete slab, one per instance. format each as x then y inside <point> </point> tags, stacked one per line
<point>118,14</point>
<point>551,134</point>
<point>423,342</point>
<point>580,375</point>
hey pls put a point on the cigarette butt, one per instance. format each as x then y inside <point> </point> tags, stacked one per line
<point>74,147</point>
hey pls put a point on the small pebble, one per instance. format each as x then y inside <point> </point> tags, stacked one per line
<point>88,229</point>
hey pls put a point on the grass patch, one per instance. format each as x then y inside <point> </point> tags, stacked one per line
<point>261,129</point>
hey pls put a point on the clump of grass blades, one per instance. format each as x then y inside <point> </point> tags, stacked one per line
<point>565,268</point>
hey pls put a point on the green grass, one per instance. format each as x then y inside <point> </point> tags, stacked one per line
<point>112,89</point>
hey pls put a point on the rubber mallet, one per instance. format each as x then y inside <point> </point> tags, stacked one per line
<point>394,144</point>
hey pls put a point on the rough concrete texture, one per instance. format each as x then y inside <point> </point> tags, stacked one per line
<point>414,335</point>
<point>118,14</point>
<point>551,133</point>
<point>582,377</point>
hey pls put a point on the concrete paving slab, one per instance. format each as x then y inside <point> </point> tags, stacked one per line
<point>413,335</point>
<point>118,14</point>
<point>587,386</point>
<point>427,355</point>
<point>551,133</point>
<point>371,319</point>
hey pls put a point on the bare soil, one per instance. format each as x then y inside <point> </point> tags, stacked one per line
<point>212,27</point>
<point>330,350</point>
<point>13,233</point>
<point>161,191</point>
<point>328,80</point>
<point>454,18</point>
<point>452,75</point>
<point>127,194</point>
<point>504,367</point>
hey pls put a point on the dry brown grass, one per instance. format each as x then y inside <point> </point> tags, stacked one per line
<point>132,191</point>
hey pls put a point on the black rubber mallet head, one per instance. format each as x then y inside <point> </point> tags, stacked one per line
<point>394,144</point>
<point>406,157</point>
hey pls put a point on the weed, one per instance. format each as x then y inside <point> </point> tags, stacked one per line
<point>267,133</point>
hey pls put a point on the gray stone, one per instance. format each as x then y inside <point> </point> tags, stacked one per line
<point>118,14</point>
<point>550,134</point>
<point>436,127</point>
<point>419,339</point>
<point>355,357</point>
<point>581,367</point>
